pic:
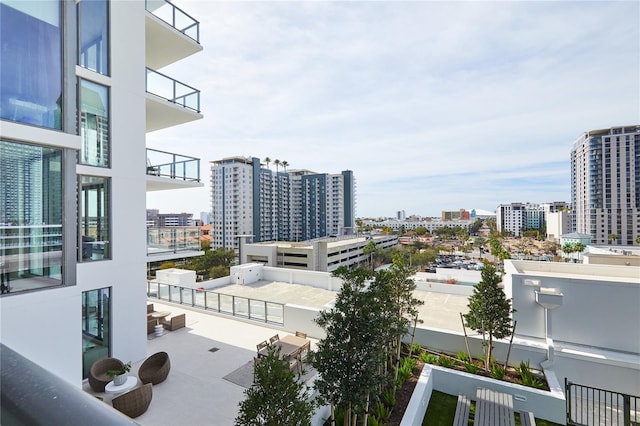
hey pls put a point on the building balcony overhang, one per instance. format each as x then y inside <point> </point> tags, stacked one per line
<point>170,33</point>
<point>169,102</point>
<point>168,170</point>
<point>172,242</point>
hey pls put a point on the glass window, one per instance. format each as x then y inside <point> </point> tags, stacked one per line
<point>94,124</point>
<point>93,35</point>
<point>95,198</point>
<point>31,200</point>
<point>96,327</point>
<point>31,66</point>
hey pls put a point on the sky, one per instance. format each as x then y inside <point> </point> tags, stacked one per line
<point>433,105</point>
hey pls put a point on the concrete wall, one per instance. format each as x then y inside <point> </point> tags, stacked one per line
<point>457,289</point>
<point>301,318</point>
<point>608,259</point>
<point>595,311</point>
<point>174,276</point>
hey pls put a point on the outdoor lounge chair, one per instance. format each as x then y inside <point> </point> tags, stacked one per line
<point>174,322</point>
<point>134,403</point>
<point>98,378</point>
<point>155,369</point>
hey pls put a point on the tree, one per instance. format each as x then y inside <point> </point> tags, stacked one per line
<point>369,250</point>
<point>277,163</point>
<point>284,165</point>
<point>347,359</point>
<point>613,238</point>
<point>267,160</point>
<point>475,226</point>
<point>276,397</point>
<point>205,245</point>
<point>638,240</point>
<point>218,272</point>
<point>421,230</point>
<point>489,310</point>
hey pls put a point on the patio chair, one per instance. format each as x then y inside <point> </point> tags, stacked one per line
<point>301,334</point>
<point>261,345</point>
<point>98,378</point>
<point>274,338</point>
<point>134,403</point>
<point>155,369</point>
<point>175,322</point>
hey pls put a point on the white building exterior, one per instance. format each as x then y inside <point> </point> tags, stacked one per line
<point>518,217</point>
<point>605,181</point>
<point>409,225</point>
<point>558,223</point>
<point>84,296</point>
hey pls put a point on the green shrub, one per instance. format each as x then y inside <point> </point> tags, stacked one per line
<point>528,379</point>
<point>428,358</point>
<point>410,363</point>
<point>381,411</point>
<point>471,368</point>
<point>416,349</point>
<point>497,371</point>
<point>372,421</point>
<point>462,356</point>
<point>445,361</point>
<point>389,397</point>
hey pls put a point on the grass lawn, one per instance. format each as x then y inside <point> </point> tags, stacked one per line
<point>442,410</point>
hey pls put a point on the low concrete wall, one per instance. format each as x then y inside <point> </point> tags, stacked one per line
<point>301,318</point>
<point>417,408</point>
<point>451,342</point>
<point>543,404</point>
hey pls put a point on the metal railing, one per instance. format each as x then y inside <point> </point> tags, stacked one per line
<point>591,406</point>
<point>171,165</point>
<point>172,90</point>
<point>172,239</point>
<point>175,17</point>
<point>208,300</point>
<point>32,395</point>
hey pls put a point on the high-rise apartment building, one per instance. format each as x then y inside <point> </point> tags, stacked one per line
<point>518,217</point>
<point>296,205</point>
<point>79,92</point>
<point>605,185</point>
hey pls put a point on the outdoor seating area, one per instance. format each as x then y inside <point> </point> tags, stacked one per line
<point>293,349</point>
<point>157,321</point>
<point>126,396</point>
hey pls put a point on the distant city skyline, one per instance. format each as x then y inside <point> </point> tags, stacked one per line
<point>433,105</point>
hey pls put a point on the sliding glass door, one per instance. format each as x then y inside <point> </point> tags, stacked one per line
<point>96,327</point>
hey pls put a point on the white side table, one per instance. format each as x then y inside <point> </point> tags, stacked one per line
<point>118,389</point>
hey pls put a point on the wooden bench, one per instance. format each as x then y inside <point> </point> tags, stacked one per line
<point>462,411</point>
<point>527,418</point>
<point>493,408</point>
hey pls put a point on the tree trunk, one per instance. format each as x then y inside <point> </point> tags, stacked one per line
<point>488,361</point>
<point>333,413</point>
<point>366,411</point>
<point>513,332</point>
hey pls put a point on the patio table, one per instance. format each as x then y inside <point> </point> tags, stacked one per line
<point>493,408</point>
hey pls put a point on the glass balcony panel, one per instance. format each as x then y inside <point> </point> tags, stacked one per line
<point>172,90</point>
<point>163,291</point>
<point>199,299</point>
<point>257,309</point>
<point>174,293</point>
<point>187,296</point>
<point>175,17</point>
<point>171,165</point>
<point>172,239</point>
<point>241,306</point>
<point>275,313</point>
<point>226,304</point>
<point>212,300</point>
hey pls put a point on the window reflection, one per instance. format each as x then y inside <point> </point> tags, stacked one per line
<point>30,217</point>
<point>93,35</point>
<point>94,124</point>
<point>94,218</point>
<point>31,66</point>
<point>96,327</point>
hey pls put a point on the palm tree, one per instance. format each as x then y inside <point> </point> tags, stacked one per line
<point>613,238</point>
<point>267,160</point>
<point>637,240</point>
<point>277,163</point>
<point>285,164</point>
<point>277,212</point>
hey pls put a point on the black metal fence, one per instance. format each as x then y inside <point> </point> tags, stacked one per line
<point>591,406</point>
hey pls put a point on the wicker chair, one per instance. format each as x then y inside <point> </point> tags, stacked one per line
<point>134,403</point>
<point>155,369</point>
<point>98,378</point>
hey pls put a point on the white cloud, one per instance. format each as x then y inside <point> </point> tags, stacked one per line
<point>446,92</point>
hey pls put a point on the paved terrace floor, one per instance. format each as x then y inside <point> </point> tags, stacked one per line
<point>195,393</point>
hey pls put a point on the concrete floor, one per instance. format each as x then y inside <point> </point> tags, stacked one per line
<point>195,392</point>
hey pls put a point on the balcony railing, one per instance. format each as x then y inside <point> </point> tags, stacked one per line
<point>171,165</point>
<point>244,307</point>
<point>172,90</point>
<point>172,239</point>
<point>175,17</point>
